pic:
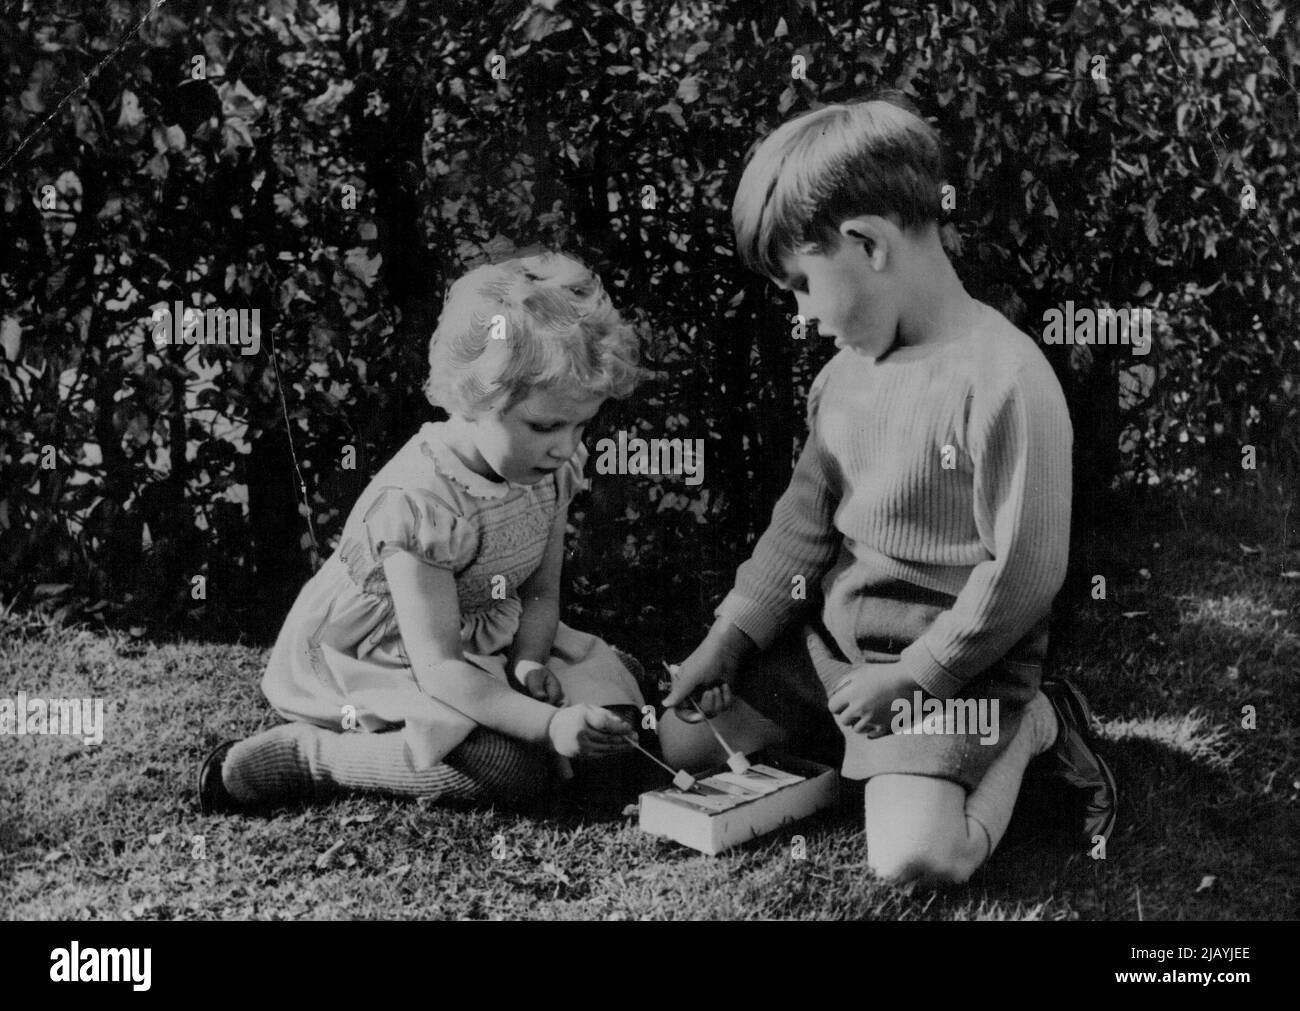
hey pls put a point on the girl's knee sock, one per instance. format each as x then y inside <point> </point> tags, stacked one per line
<point>989,805</point>
<point>377,762</point>
<point>300,760</point>
<point>269,766</point>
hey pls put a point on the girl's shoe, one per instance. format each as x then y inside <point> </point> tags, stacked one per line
<point>1073,759</point>
<point>214,798</point>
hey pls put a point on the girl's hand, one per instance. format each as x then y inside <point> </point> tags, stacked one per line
<point>863,701</point>
<point>539,682</point>
<point>580,731</point>
<point>714,663</point>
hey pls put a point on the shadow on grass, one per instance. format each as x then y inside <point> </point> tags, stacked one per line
<point>1186,816</point>
<point>1189,833</point>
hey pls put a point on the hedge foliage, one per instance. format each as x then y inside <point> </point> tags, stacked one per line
<point>335,166</point>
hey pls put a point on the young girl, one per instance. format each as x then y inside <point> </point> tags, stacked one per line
<point>426,657</point>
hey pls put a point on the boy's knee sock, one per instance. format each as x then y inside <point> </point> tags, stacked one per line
<point>300,760</point>
<point>990,804</point>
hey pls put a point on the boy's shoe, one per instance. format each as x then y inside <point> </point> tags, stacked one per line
<point>1074,761</point>
<point>214,798</point>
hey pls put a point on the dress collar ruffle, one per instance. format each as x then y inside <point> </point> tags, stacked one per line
<point>450,466</point>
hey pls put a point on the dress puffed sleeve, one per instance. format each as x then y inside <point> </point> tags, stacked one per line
<point>570,478</point>
<point>415,521</point>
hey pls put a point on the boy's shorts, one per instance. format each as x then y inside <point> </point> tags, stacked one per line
<point>785,685</point>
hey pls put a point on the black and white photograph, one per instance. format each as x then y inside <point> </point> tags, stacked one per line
<point>651,460</point>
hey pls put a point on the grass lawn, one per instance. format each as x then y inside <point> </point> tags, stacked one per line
<point>1200,620</point>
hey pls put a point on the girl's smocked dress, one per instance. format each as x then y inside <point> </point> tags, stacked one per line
<point>339,657</point>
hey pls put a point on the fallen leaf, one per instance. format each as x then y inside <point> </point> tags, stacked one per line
<point>1135,614</point>
<point>52,856</point>
<point>1207,883</point>
<point>1247,550</point>
<point>631,810</point>
<point>131,115</point>
<point>327,858</point>
<point>674,112</point>
<point>156,838</point>
<point>357,819</point>
<point>555,871</point>
<point>1291,574</point>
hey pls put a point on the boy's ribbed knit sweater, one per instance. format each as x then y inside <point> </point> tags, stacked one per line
<point>932,501</point>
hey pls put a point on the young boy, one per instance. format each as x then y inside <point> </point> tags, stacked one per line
<point>930,507</point>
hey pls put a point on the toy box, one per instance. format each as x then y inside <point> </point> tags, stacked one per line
<point>726,808</point>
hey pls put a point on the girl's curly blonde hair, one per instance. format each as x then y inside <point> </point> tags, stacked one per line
<point>529,323</point>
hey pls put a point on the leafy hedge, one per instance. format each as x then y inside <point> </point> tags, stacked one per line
<point>339,164</point>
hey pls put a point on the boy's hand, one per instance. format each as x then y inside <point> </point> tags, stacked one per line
<point>581,731</point>
<point>540,682</point>
<point>714,663</point>
<point>863,700</point>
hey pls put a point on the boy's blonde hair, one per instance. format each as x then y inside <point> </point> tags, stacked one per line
<point>529,323</point>
<point>824,167</point>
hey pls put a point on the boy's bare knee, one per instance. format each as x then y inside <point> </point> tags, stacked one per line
<point>917,831</point>
<point>693,746</point>
<point>689,746</point>
<point>934,865</point>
